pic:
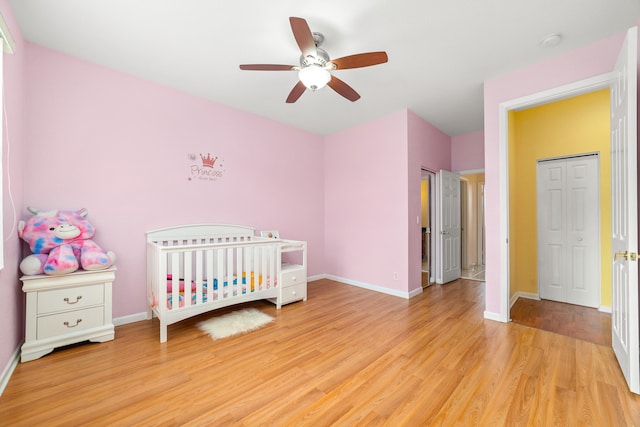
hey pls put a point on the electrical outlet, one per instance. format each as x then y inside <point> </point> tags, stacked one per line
<point>395,275</point>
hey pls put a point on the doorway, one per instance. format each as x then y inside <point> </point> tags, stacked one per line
<point>472,221</point>
<point>427,193</point>
<point>623,191</point>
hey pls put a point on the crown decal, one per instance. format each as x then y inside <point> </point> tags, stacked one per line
<point>208,161</point>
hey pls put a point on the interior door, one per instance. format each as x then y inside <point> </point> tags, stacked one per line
<point>568,204</point>
<point>449,225</point>
<point>426,191</point>
<point>481,235</point>
<point>624,211</point>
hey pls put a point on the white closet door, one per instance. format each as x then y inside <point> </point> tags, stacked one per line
<point>583,231</point>
<point>568,230</point>
<point>551,208</point>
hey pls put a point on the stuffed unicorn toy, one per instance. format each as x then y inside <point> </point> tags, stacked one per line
<point>61,243</point>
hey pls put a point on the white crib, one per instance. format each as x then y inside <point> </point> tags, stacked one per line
<point>193,269</point>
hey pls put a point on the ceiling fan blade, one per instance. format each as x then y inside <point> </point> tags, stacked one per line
<point>296,92</point>
<point>343,89</point>
<point>303,36</point>
<point>360,60</point>
<point>266,67</point>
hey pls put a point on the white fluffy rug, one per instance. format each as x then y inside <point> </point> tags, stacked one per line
<point>236,322</point>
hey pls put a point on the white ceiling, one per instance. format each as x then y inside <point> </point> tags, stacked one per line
<point>440,51</point>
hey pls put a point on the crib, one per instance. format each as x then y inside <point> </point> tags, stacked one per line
<point>193,269</point>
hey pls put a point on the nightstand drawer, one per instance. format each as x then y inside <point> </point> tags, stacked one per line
<point>294,293</point>
<point>294,276</point>
<point>72,321</point>
<point>70,298</point>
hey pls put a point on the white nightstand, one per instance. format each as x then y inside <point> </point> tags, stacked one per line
<point>67,309</point>
<point>293,277</point>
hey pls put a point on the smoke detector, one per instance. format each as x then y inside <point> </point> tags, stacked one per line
<point>551,40</point>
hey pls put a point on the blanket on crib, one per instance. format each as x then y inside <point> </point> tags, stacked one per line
<point>206,294</point>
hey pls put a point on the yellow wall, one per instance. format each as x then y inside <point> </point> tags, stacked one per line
<point>424,190</point>
<point>571,126</point>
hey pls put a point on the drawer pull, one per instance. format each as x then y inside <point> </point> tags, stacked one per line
<point>78,298</point>
<point>293,292</point>
<point>72,326</point>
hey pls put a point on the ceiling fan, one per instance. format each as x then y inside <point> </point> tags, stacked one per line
<point>314,71</point>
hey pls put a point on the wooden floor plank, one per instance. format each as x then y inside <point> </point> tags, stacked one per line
<point>346,357</point>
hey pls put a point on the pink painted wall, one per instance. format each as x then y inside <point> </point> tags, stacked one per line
<point>11,295</point>
<point>119,146</point>
<point>429,148</point>
<point>366,203</point>
<point>579,64</point>
<point>372,199</point>
<point>467,152</point>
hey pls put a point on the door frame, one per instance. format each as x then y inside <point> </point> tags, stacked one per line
<point>430,177</point>
<point>570,90</point>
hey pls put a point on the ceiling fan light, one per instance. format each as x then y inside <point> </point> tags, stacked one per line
<point>314,77</point>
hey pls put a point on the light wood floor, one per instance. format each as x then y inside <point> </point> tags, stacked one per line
<point>346,357</point>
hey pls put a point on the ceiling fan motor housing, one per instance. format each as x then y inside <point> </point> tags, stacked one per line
<point>321,59</point>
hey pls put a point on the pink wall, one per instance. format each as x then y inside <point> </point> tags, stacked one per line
<point>429,148</point>
<point>120,147</point>
<point>372,199</point>
<point>366,203</point>
<point>11,295</point>
<point>579,64</point>
<point>467,152</point>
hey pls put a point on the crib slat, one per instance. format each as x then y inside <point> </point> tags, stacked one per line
<point>238,271</point>
<point>199,277</point>
<point>175,279</point>
<point>262,274</point>
<point>219,268</point>
<point>229,271</point>
<point>186,262</point>
<point>255,268</point>
<point>209,271</point>
<point>271,273</point>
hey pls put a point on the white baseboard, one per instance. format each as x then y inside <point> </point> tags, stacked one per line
<point>500,317</point>
<point>514,298</point>
<point>317,277</point>
<point>416,292</point>
<point>395,293</point>
<point>130,318</point>
<point>495,316</point>
<point>605,309</point>
<point>8,370</point>
<point>526,295</point>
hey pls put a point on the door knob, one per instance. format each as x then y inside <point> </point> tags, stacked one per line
<point>626,255</point>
